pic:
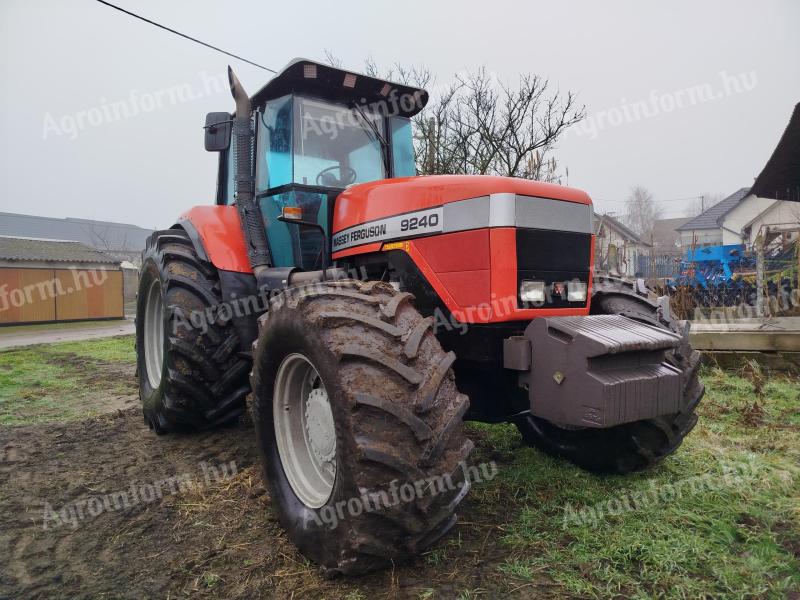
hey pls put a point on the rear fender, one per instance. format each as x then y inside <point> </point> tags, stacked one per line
<point>217,237</point>
<point>216,233</point>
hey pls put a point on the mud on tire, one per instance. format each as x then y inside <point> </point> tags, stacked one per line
<point>203,379</point>
<point>631,446</point>
<point>397,414</point>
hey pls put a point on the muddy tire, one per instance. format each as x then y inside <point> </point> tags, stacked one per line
<point>191,374</point>
<point>397,418</point>
<point>631,446</point>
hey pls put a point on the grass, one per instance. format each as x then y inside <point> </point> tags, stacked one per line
<point>64,381</point>
<point>720,519</point>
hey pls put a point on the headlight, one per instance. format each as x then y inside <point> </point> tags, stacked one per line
<point>531,291</point>
<point>576,291</point>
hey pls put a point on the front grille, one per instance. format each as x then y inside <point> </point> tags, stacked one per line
<point>554,257</point>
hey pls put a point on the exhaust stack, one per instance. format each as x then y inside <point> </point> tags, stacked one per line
<point>249,212</point>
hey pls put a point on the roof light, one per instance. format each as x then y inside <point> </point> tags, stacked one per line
<point>310,71</point>
<point>349,80</point>
<point>385,90</point>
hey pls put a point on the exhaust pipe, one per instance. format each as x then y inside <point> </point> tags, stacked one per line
<point>249,212</point>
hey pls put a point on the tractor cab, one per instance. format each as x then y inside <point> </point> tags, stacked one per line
<point>318,130</point>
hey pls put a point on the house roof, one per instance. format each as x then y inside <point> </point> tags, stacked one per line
<point>711,218</point>
<point>665,232</point>
<point>102,235</point>
<point>32,249</point>
<point>619,226</point>
<point>780,178</point>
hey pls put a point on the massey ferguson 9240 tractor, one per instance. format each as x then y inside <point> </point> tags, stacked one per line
<point>370,311</point>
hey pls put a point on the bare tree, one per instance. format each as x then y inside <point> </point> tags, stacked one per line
<point>103,238</point>
<point>701,204</point>
<point>641,210</point>
<point>478,126</point>
<point>332,59</point>
<point>481,127</point>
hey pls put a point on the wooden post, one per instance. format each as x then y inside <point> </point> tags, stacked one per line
<point>759,247</point>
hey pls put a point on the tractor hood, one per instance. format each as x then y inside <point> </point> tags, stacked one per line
<point>483,201</point>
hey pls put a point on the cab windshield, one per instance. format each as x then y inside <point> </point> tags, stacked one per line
<point>337,146</point>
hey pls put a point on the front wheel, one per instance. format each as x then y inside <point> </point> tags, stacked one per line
<point>631,446</point>
<point>359,424</point>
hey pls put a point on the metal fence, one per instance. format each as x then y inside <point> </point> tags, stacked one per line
<point>658,266</point>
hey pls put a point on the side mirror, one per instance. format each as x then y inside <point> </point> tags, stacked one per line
<point>218,131</point>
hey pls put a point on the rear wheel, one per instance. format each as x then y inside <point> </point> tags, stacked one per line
<point>191,374</point>
<point>359,424</point>
<point>631,446</point>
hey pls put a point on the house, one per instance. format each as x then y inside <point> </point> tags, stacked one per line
<point>737,220</point>
<point>771,202</point>
<point>57,280</point>
<point>780,177</point>
<point>617,247</point>
<point>781,217</point>
<point>122,241</point>
<point>717,225</point>
<point>664,237</point>
<point>779,180</point>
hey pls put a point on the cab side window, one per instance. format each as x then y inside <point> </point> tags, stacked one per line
<point>225,183</point>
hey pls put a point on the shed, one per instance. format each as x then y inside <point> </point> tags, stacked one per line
<point>57,280</point>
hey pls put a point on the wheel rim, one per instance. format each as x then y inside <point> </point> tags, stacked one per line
<point>154,334</point>
<point>305,430</point>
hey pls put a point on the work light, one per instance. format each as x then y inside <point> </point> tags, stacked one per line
<point>531,291</point>
<point>576,291</point>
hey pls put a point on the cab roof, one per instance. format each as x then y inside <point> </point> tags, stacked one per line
<point>338,85</point>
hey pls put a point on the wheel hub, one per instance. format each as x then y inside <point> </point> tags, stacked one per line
<point>319,425</point>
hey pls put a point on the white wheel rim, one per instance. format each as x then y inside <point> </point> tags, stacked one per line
<point>304,430</point>
<point>154,334</point>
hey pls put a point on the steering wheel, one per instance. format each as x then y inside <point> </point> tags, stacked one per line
<point>347,176</point>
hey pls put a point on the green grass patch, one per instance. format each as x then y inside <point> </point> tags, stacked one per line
<point>114,349</point>
<point>64,381</point>
<point>719,519</point>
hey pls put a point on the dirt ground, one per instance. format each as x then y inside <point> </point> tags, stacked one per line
<point>94,505</point>
<point>217,538</point>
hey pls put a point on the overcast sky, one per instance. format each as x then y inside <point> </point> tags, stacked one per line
<point>643,69</point>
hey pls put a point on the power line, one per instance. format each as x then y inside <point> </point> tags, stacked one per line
<point>183,35</point>
<point>654,200</point>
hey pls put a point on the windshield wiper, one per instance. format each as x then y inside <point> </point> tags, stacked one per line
<point>378,135</point>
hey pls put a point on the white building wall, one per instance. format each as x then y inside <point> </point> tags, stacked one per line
<point>735,221</point>
<point>782,215</point>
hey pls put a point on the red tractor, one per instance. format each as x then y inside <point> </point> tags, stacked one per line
<point>370,311</point>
